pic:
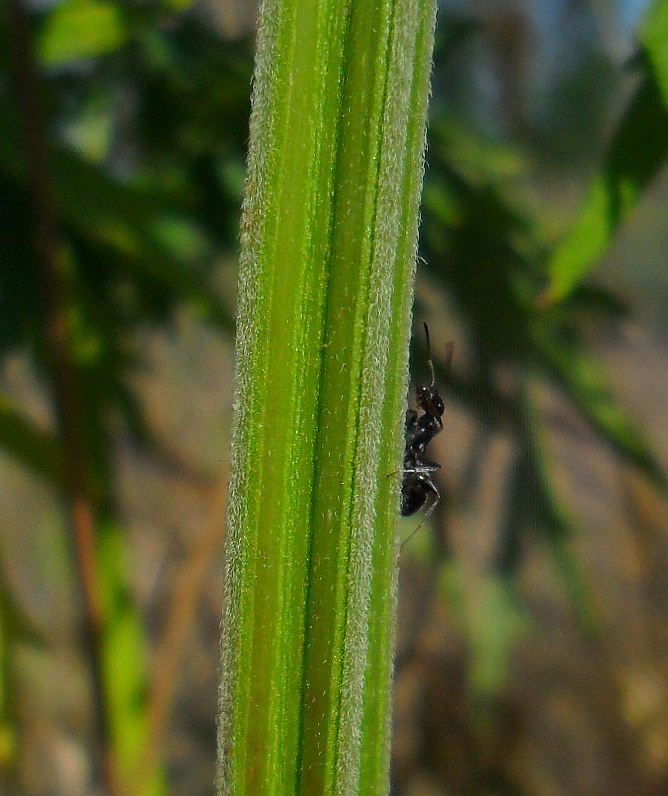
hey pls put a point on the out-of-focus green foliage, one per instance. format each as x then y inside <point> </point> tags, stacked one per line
<point>487,255</point>
<point>141,246</point>
<point>139,234</point>
<point>79,29</point>
<point>635,156</point>
<point>34,448</point>
<point>654,36</point>
<point>146,114</point>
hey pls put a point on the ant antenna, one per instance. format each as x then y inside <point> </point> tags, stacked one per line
<point>431,364</point>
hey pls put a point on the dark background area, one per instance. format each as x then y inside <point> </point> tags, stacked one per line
<point>532,631</point>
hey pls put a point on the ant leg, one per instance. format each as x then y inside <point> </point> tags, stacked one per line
<point>424,468</point>
<point>436,500</point>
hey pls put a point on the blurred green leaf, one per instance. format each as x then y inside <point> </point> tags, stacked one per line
<point>38,450</point>
<point>20,304</point>
<point>178,5</point>
<point>124,645</point>
<point>654,35</point>
<point>79,29</point>
<point>131,226</point>
<point>551,516</point>
<point>477,158</point>
<point>139,238</point>
<point>9,720</point>
<point>637,153</point>
<point>496,621</point>
<point>583,379</point>
<point>533,507</point>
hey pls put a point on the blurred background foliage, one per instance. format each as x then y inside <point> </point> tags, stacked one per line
<point>532,633</point>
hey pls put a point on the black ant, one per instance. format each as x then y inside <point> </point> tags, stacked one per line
<point>422,425</point>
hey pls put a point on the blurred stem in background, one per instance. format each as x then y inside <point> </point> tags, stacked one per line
<point>54,272</point>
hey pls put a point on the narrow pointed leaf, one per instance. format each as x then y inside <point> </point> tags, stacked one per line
<point>637,153</point>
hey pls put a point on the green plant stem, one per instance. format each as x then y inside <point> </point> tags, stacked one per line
<point>328,254</point>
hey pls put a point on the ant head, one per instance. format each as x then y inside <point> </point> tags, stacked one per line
<point>430,401</point>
